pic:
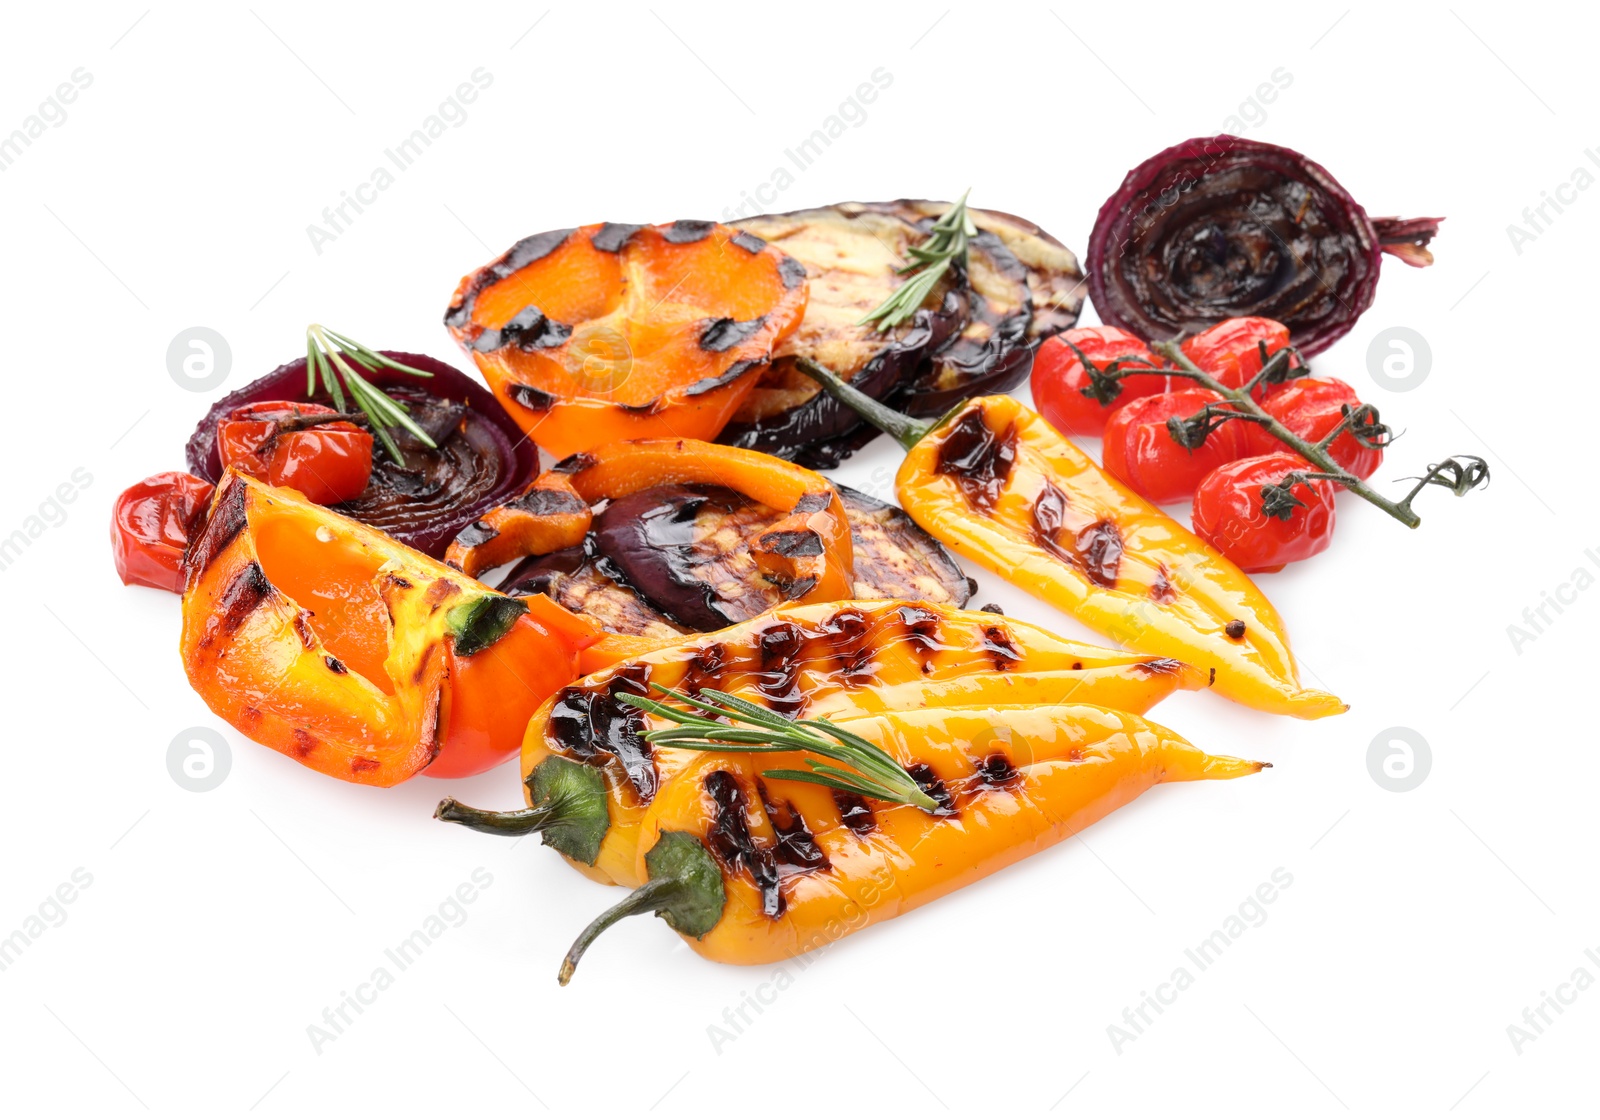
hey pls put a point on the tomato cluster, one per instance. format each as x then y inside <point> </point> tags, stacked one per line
<point>1165,438</point>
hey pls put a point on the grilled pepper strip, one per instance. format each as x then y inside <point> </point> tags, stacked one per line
<point>994,481</point>
<point>753,870</point>
<point>823,660</point>
<point>351,653</point>
<point>807,553</point>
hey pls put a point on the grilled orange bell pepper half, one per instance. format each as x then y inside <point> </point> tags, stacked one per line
<point>752,870</point>
<point>590,777</point>
<point>353,654</point>
<point>994,481</point>
<point>612,332</point>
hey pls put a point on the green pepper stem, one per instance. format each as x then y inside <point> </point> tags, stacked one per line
<point>905,430</point>
<point>656,895</point>
<point>515,822</point>
<point>1310,452</point>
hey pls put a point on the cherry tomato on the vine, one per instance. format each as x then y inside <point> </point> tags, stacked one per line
<point>1228,512</point>
<point>271,440</point>
<point>1231,350</point>
<point>1059,378</point>
<point>1310,408</point>
<point>150,525</point>
<point>1141,452</point>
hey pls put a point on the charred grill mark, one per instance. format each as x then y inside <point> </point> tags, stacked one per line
<point>1161,589</point>
<point>932,785</point>
<point>792,588</point>
<point>302,629</point>
<point>726,377</point>
<point>479,532</point>
<point>572,464</point>
<point>922,628</point>
<point>685,231</point>
<point>1235,629</point>
<point>304,742</point>
<point>247,591</point>
<point>996,772</point>
<point>1095,550</point>
<point>793,543</point>
<point>1100,551</point>
<point>589,722</point>
<point>534,400</point>
<point>611,237</point>
<point>749,242</point>
<point>796,848</point>
<point>1049,516</point>
<point>543,502</point>
<point>362,765</point>
<point>1000,647</point>
<point>648,408</point>
<point>528,329</point>
<point>979,460</point>
<point>778,652</point>
<point>721,335</point>
<point>845,633</point>
<point>854,813</point>
<point>813,503</point>
<point>334,663</point>
<point>735,847</point>
<point>227,520</point>
<point>706,668</point>
<point>519,256</point>
<point>1161,666</point>
<point>438,591</point>
<point>791,272</point>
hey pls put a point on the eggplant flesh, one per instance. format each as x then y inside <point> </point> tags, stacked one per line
<point>851,262</point>
<point>676,559</point>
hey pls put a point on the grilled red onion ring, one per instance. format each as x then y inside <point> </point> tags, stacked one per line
<point>482,460</point>
<point>1219,227</point>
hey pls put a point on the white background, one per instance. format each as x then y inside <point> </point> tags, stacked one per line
<point>219,925</point>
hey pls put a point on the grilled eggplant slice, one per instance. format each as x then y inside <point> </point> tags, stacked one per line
<point>851,261</point>
<point>673,559</point>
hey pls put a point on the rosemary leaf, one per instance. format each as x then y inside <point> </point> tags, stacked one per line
<point>930,260</point>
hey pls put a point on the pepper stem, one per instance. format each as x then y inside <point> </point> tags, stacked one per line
<point>515,822</point>
<point>905,430</point>
<point>656,895</point>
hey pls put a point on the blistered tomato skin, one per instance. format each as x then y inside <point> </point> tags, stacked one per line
<point>1231,350</point>
<point>1141,452</point>
<point>328,463</point>
<point>1311,408</point>
<point>1059,378</point>
<point>1228,513</point>
<point>150,526</point>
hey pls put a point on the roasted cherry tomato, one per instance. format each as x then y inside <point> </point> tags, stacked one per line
<point>1059,378</point>
<point>1310,408</point>
<point>150,526</point>
<point>282,443</point>
<point>1228,512</point>
<point>1141,452</point>
<point>1231,350</point>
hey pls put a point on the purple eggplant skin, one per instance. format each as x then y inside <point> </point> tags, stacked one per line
<point>483,460</point>
<point>675,559</point>
<point>850,261</point>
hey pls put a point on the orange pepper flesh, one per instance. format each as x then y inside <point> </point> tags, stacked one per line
<point>624,316</point>
<point>1106,556</point>
<point>849,658</point>
<point>1053,773</point>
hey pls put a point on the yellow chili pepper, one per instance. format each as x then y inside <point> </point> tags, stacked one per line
<point>994,481</point>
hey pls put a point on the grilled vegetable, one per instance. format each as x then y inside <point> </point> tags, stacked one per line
<point>996,483</point>
<point>820,660</point>
<point>308,447</point>
<point>150,525</point>
<point>850,261</point>
<point>480,460</point>
<point>611,332</point>
<point>1217,227</point>
<point>676,559</point>
<point>753,870</point>
<point>351,653</point>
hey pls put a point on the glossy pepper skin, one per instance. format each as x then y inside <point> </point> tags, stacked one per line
<point>753,870</point>
<point>611,332</point>
<point>807,552</point>
<point>1000,486</point>
<point>825,660</point>
<point>351,653</point>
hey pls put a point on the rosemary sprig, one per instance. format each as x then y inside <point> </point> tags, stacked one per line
<point>327,350</point>
<point>930,260</point>
<point>875,773</point>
